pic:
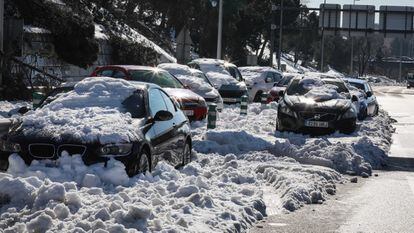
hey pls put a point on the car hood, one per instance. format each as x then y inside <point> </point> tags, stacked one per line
<point>301,103</point>
<point>181,94</point>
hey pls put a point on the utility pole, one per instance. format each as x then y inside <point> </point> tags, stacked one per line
<point>352,50</point>
<point>1,38</point>
<point>280,37</point>
<point>220,30</point>
<point>272,35</point>
<point>323,35</point>
<point>401,59</point>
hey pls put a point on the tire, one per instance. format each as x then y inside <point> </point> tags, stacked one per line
<point>349,130</point>
<point>187,153</point>
<point>141,165</point>
<point>376,111</point>
<point>279,127</point>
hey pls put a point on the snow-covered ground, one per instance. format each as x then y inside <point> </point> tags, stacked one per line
<point>242,171</point>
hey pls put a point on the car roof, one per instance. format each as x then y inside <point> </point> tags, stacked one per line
<point>138,85</point>
<point>355,80</point>
<point>259,69</point>
<point>212,61</point>
<point>131,67</point>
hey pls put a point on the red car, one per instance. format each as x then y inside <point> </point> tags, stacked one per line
<point>193,105</point>
<point>280,86</point>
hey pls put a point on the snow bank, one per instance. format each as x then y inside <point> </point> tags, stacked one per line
<point>91,112</point>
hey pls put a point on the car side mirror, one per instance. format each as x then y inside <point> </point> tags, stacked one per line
<point>163,116</point>
<point>281,93</point>
<point>355,99</point>
<point>23,110</point>
<point>369,94</point>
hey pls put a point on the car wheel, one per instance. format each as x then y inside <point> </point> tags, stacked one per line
<point>349,129</point>
<point>279,127</point>
<point>187,153</point>
<point>376,110</point>
<point>141,165</point>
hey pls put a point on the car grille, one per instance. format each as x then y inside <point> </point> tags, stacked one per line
<point>49,151</point>
<point>231,94</point>
<point>42,151</point>
<point>317,116</point>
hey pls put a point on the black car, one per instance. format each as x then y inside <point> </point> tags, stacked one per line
<point>300,112</point>
<point>162,128</point>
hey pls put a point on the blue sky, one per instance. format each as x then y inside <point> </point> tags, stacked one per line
<point>316,3</point>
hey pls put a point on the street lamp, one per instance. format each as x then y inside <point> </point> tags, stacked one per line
<point>352,49</point>
<point>220,25</point>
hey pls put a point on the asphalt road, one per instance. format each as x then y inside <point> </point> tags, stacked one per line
<point>383,203</point>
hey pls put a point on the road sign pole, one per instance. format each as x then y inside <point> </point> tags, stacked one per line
<point>280,37</point>
<point>220,30</point>
<point>272,35</point>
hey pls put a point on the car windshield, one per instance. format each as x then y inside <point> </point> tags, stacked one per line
<point>360,86</point>
<point>135,104</point>
<point>285,81</point>
<point>300,88</point>
<point>203,76</point>
<point>161,78</point>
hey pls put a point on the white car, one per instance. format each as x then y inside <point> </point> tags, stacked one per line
<point>225,77</point>
<point>260,80</point>
<point>196,81</point>
<point>370,99</point>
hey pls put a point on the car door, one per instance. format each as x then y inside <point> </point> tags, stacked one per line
<point>163,130</point>
<point>177,140</point>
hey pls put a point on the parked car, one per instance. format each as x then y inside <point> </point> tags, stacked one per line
<point>316,105</point>
<point>360,105</point>
<point>370,99</point>
<point>280,87</point>
<point>226,78</point>
<point>135,123</point>
<point>259,80</point>
<point>193,105</point>
<point>196,81</point>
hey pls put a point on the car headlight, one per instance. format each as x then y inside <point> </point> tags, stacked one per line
<point>351,113</point>
<point>284,108</point>
<point>115,150</point>
<point>10,146</point>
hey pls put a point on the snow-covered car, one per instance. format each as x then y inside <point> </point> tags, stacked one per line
<point>280,87</point>
<point>196,81</point>
<point>193,105</point>
<point>370,99</point>
<point>316,105</point>
<point>226,78</point>
<point>410,80</point>
<point>360,103</point>
<point>102,119</point>
<point>259,80</point>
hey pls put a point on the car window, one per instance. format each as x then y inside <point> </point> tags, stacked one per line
<point>298,88</point>
<point>277,77</point>
<point>203,76</point>
<point>269,75</point>
<point>119,74</point>
<point>135,104</point>
<point>235,73</point>
<point>360,86</point>
<point>105,73</point>
<point>168,102</point>
<point>156,102</point>
<point>284,82</point>
<point>162,78</point>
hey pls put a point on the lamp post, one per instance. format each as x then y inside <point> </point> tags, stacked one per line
<point>1,38</point>
<point>280,37</point>
<point>352,49</point>
<point>220,26</point>
<point>323,35</point>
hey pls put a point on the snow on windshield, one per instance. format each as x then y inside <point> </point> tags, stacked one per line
<point>316,88</point>
<point>92,112</point>
<point>253,74</point>
<point>184,74</point>
<point>216,72</point>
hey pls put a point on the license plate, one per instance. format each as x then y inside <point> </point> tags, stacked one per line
<point>189,112</point>
<point>230,100</point>
<point>317,124</point>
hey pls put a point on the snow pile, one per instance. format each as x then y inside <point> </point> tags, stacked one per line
<point>93,111</point>
<point>10,109</point>
<point>209,196</point>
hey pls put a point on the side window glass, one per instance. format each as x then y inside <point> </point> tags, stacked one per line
<point>156,102</point>
<point>170,105</point>
<point>269,77</point>
<point>105,73</point>
<point>119,74</point>
<point>277,77</point>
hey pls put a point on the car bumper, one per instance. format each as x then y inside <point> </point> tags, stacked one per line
<point>289,123</point>
<point>195,113</point>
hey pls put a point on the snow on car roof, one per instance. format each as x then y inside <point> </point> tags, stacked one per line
<point>216,71</point>
<point>92,112</point>
<point>355,80</point>
<point>253,73</point>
